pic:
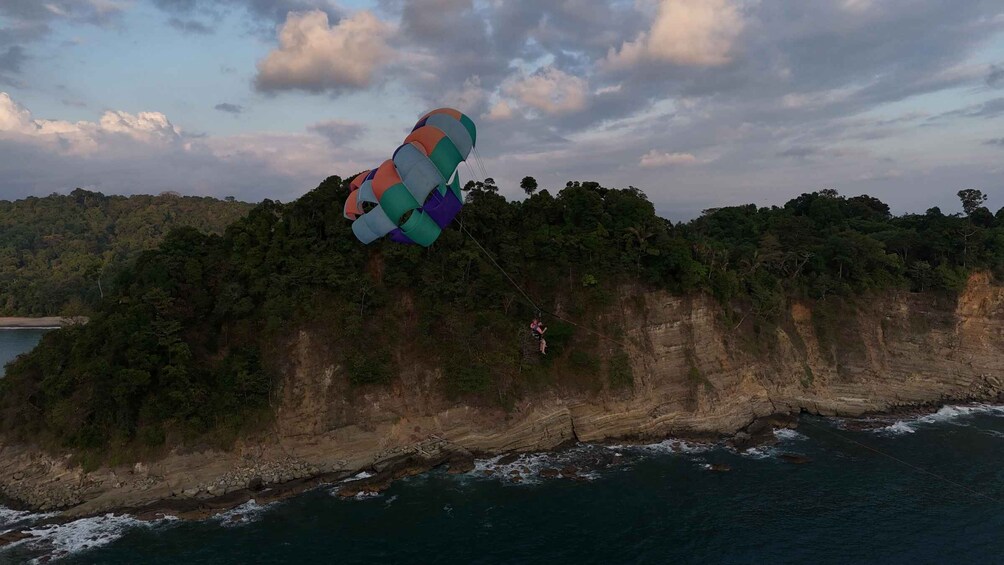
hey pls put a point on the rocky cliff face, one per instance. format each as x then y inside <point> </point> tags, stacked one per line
<point>693,375</point>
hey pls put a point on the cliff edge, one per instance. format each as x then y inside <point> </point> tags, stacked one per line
<point>694,374</point>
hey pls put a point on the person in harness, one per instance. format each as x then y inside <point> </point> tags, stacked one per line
<point>537,329</point>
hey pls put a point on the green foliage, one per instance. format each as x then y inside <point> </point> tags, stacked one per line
<point>466,378</point>
<point>822,244</point>
<point>808,378</point>
<point>368,367</point>
<point>972,200</point>
<point>188,343</point>
<point>619,373</point>
<point>584,361</point>
<point>60,254</point>
<point>529,185</point>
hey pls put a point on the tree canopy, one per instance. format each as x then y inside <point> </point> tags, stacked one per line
<point>189,340</point>
<point>60,253</point>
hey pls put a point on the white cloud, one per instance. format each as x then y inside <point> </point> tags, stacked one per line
<point>151,128</point>
<point>500,111</point>
<point>338,131</point>
<point>658,159</point>
<point>549,90</point>
<point>818,99</point>
<point>125,153</point>
<point>469,96</point>
<point>685,32</point>
<point>290,154</point>
<point>315,56</point>
<point>609,89</point>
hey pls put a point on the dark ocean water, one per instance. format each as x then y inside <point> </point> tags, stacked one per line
<point>658,504</point>
<point>640,504</point>
<point>16,342</point>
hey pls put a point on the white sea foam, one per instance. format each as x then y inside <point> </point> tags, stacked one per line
<point>760,452</point>
<point>787,434</point>
<point>61,540</point>
<point>358,476</point>
<point>246,513</point>
<point>526,467</point>
<point>782,435</point>
<point>898,428</point>
<point>10,518</point>
<point>951,414</point>
<point>669,446</point>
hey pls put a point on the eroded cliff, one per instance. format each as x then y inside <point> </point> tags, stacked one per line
<point>693,375</point>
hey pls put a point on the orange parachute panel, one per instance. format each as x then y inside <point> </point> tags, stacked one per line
<point>358,181</point>
<point>448,111</point>
<point>352,208</point>
<point>426,138</point>
<point>386,177</point>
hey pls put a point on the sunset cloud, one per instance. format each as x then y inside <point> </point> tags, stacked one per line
<point>659,159</point>
<point>83,137</point>
<point>316,56</point>
<point>684,32</point>
<point>549,90</point>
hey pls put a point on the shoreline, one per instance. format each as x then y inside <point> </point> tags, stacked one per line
<point>381,476</point>
<point>901,354</point>
<point>40,323</point>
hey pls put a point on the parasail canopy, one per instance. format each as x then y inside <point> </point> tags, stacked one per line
<point>415,194</point>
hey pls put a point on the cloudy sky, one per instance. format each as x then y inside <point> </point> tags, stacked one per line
<point>698,102</point>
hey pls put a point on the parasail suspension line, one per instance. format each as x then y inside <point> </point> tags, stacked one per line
<point>916,468</point>
<point>530,300</point>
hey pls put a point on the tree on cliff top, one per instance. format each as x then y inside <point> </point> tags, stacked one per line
<point>972,199</point>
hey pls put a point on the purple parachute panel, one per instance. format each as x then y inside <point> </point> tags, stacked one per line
<point>443,208</point>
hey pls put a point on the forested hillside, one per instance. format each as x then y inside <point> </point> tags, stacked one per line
<point>60,254</point>
<point>189,343</point>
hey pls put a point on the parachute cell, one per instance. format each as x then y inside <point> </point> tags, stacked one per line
<point>417,192</point>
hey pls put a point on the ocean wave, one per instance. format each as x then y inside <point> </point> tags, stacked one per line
<point>760,452</point>
<point>56,541</point>
<point>946,414</point>
<point>358,476</point>
<point>667,446</point>
<point>10,519</point>
<point>788,434</point>
<point>246,513</point>
<point>582,462</point>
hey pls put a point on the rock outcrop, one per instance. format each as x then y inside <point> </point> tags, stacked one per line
<point>693,375</point>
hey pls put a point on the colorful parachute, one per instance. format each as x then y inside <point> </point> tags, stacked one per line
<point>416,193</point>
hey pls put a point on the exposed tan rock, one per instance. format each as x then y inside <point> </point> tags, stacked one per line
<point>692,376</point>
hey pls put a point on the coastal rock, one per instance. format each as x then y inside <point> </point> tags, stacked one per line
<point>461,463</point>
<point>13,536</point>
<point>693,376</point>
<point>741,441</point>
<point>508,459</point>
